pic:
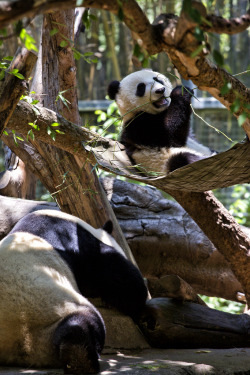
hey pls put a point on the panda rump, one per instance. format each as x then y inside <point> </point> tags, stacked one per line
<point>49,264</point>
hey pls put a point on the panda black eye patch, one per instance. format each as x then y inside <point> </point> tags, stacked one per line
<point>141,88</point>
<point>158,80</point>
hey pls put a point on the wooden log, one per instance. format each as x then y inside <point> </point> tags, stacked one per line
<point>168,323</point>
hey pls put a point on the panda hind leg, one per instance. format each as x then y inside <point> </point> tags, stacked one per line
<point>182,159</point>
<point>78,343</point>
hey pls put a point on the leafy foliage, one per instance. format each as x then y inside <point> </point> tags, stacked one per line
<point>28,40</point>
<point>4,66</point>
<point>224,305</point>
<point>110,122</point>
<point>240,208</point>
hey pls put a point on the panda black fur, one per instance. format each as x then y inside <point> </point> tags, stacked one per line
<point>156,121</point>
<point>49,263</point>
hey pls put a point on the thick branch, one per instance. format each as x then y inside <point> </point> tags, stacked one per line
<point>222,230</point>
<point>11,11</point>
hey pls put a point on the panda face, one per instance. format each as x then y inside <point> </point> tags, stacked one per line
<point>144,90</point>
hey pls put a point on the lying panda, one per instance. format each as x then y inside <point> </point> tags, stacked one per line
<point>155,121</point>
<point>49,263</point>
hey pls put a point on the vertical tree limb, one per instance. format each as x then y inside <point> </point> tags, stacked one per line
<point>12,87</point>
<point>222,230</point>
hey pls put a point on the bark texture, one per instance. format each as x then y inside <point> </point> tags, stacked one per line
<point>12,87</point>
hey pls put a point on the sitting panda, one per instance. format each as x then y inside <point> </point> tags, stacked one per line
<point>49,263</point>
<point>155,121</point>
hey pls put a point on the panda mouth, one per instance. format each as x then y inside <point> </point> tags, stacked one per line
<point>162,102</point>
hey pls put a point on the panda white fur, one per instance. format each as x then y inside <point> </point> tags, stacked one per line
<point>155,121</point>
<point>49,263</point>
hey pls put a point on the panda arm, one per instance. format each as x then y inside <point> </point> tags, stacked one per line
<point>177,116</point>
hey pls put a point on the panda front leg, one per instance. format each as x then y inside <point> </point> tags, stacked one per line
<point>121,283</point>
<point>79,340</point>
<point>177,118</point>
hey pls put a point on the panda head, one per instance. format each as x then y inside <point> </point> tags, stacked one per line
<point>144,90</point>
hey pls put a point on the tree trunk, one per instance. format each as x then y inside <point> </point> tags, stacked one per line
<point>18,181</point>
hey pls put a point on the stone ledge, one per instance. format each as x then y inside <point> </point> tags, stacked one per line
<point>164,362</point>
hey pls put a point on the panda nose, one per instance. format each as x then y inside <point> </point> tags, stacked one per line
<point>160,91</point>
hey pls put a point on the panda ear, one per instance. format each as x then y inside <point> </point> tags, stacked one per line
<point>108,227</point>
<point>113,89</point>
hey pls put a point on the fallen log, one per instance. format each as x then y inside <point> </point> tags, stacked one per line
<point>168,323</point>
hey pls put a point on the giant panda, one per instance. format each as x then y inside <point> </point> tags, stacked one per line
<point>156,121</point>
<point>49,263</point>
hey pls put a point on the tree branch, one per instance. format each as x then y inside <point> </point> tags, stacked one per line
<point>231,26</point>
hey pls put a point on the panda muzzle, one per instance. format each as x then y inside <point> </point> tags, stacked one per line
<point>162,102</point>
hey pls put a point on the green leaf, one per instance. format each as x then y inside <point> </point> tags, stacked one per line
<point>18,27</point>
<point>19,75</point>
<point>53,32</point>
<point>5,133</point>
<point>197,51</point>
<point>35,126</point>
<point>77,54</point>
<point>120,14</point>
<point>51,133</point>
<point>3,32</point>
<point>226,88</point>
<point>137,50</point>
<point>186,6</point>
<point>235,106</point>
<point>195,15</point>
<point>85,19</point>
<point>199,35</point>
<point>28,41</point>
<point>63,43</point>
<point>31,135</point>
<point>14,71</point>
<point>88,54</point>
<point>59,131</point>
<point>8,58</point>
<point>55,124</point>
<point>145,63</point>
<point>242,118</point>
<point>93,17</point>
<point>2,75</point>
<point>94,60</point>
<point>218,58</point>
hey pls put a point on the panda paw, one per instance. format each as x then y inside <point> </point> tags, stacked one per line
<point>182,91</point>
